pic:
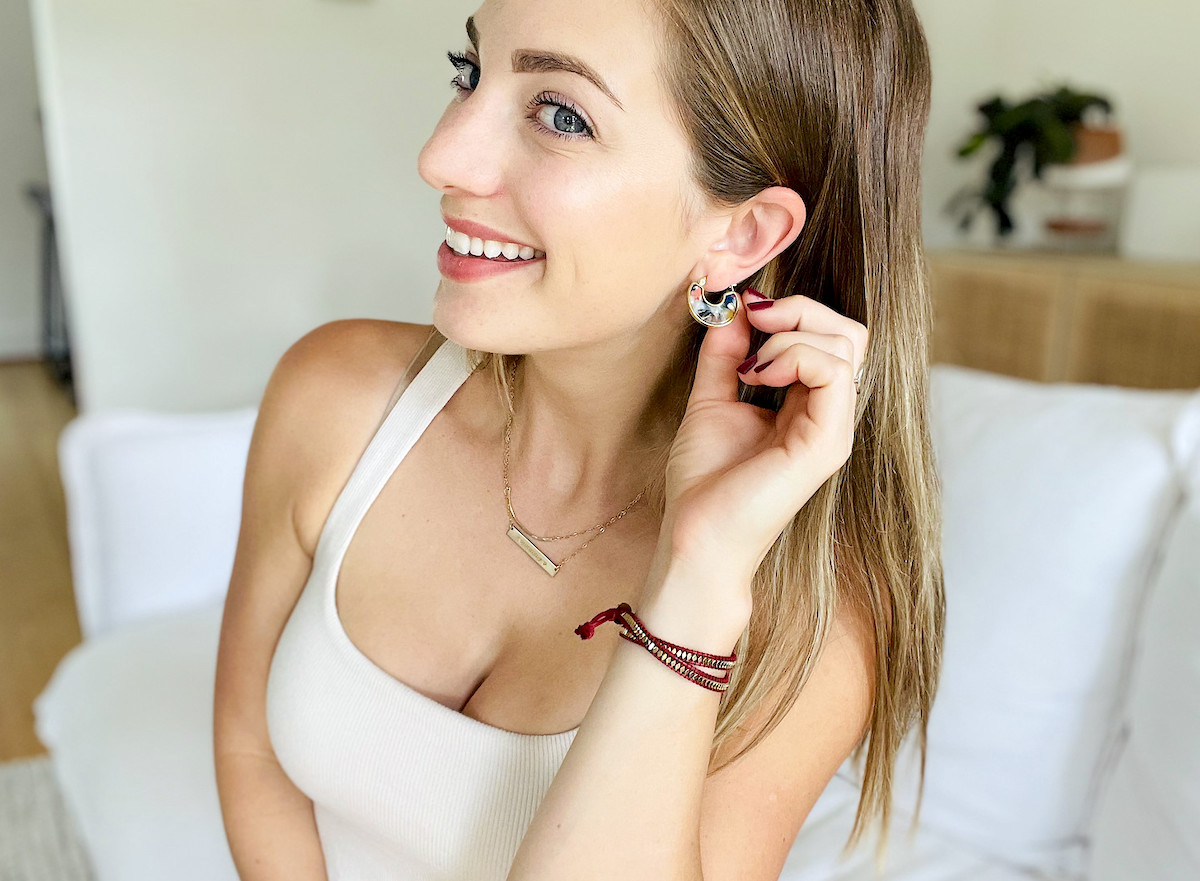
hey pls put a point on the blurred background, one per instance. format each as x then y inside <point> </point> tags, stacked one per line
<point>186,189</point>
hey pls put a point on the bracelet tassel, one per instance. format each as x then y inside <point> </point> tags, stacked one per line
<point>684,661</point>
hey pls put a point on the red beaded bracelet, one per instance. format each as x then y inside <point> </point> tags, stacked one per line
<point>684,661</point>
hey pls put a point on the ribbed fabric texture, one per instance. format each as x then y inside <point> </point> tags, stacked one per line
<point>403,786</point>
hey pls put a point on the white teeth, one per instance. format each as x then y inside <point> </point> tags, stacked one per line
<point>461,243</point>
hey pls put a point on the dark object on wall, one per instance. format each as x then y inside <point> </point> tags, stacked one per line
<point>56,346</point>
<point>1049,125</point>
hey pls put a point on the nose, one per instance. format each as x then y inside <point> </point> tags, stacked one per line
<point>463,155</point>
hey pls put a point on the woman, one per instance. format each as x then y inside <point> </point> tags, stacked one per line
<point>626,187</point>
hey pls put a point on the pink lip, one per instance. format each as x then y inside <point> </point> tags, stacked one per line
<point>479,231</point>
<point>465,268</point>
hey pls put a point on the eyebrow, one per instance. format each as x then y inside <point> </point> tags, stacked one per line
<point>529,61</point>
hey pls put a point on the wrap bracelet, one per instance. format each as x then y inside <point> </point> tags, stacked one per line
<point>684,661</point>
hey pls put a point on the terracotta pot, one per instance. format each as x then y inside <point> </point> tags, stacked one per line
<point>1095,143</point>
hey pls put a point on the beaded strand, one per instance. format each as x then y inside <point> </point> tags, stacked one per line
<point>684,661</point>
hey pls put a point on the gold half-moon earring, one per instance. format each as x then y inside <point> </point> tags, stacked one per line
<point>712,308</point>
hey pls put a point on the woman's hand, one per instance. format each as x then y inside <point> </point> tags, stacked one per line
<point>737,473</point>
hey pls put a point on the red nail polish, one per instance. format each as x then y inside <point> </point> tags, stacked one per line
<point>761,367</point>
<point>760,304</point>
<point>753,292</point>
<point>745,366</point>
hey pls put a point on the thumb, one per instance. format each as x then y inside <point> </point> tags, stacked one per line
<point>721,351</point>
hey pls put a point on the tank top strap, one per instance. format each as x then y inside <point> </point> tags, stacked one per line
<point>432,343</point>
<point>432,377</point>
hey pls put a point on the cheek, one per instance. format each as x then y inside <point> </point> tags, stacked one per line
<point>621,213</point>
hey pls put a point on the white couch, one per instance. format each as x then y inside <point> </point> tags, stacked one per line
<point>1064,742</point>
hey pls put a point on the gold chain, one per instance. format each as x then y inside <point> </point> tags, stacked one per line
<point>508,491</point>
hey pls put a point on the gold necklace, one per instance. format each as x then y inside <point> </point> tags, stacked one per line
<point>521,536</point>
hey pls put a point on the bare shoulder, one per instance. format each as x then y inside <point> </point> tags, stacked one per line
<point>753,808</point>
<point>354,349</point>
<point>340,377</point>
<point>845,673</point>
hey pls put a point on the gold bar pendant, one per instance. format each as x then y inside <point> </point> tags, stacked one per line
<point>523,542</point>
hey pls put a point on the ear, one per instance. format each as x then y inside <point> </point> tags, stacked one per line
<point>758,229</point>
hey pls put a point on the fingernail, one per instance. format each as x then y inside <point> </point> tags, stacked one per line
<point>745,366</point>
<point>753,294</point>
<point>761,367</point>
<point>760,304</point>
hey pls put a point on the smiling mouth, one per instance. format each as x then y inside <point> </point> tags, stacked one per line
<point>464,245</point>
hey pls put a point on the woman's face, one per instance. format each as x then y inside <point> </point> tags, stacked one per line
<point>547,158</point>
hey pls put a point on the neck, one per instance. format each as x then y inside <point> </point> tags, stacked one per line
<point>588,427</point>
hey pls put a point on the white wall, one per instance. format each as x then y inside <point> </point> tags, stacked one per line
<point>1142,56</point>
<point>22,161</point>
<point>229,174</point>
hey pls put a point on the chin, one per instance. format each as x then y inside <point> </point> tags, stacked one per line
<point>459,321</point>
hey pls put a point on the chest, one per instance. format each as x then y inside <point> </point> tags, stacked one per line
<point>433,591</point>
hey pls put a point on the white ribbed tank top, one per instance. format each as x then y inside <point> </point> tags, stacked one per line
<point>403,787</point>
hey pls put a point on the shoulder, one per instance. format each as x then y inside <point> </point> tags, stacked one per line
<point>351,349</point>
<point>844,674</point>
<point>757,804</point>
<point>329,391</point>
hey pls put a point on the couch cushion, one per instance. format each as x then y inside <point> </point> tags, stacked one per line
<point>153,507</point>
<point>128,720</point>
<point>1148,820</point>
<point>925,856</point>
<point>1055,499</point>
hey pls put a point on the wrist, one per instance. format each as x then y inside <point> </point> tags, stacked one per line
<point>702,608</point>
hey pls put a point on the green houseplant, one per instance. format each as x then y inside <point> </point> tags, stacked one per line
<point>1045,125</point>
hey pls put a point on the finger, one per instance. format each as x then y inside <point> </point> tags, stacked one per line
<point>828,378</point>
<point>834,344</point>
<point>798,312</point>
<point>721,351</point>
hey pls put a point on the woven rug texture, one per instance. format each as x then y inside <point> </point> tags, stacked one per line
<point>38,837</point>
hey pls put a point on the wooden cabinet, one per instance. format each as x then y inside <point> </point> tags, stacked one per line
<point>1066,317</point>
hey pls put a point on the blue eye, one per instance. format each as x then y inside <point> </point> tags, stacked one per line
<point>567,121</point>
<point>563,120</point>
<point>461,62</point>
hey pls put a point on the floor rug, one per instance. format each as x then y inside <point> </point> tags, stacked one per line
<point>38,837</point>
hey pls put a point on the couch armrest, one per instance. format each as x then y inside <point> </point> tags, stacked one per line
<point>153,509</point>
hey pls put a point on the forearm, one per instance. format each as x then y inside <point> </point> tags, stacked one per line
<point>626,800</point>
<point>269,823</point>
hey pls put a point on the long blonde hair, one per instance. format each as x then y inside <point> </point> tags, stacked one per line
<point>831,100</point>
